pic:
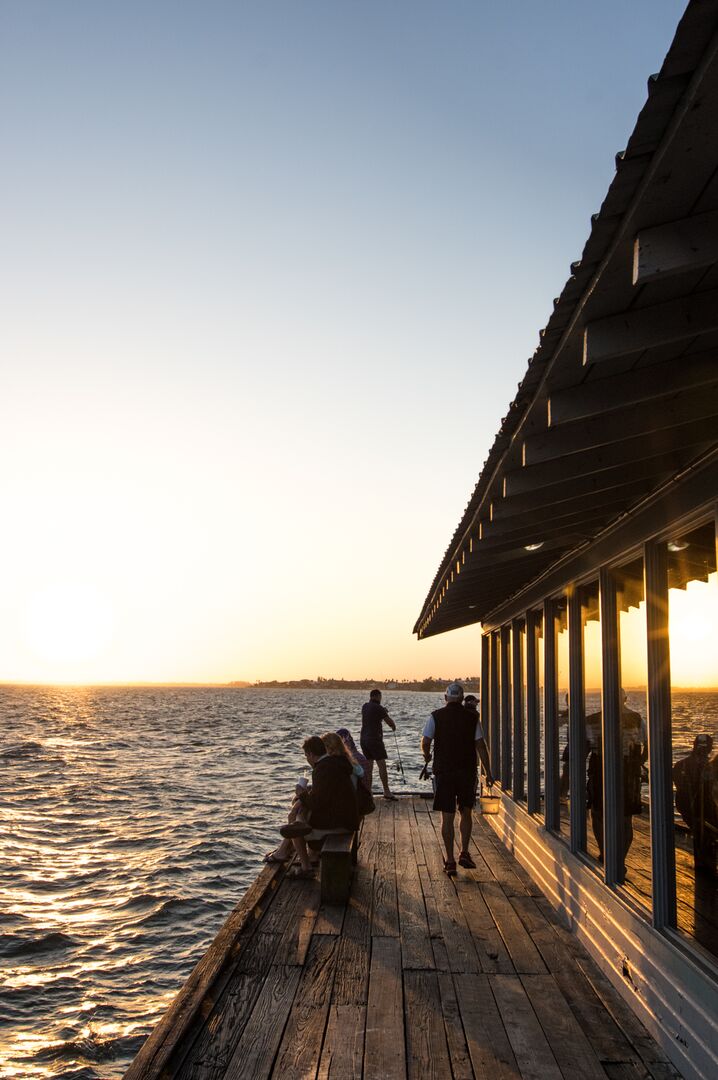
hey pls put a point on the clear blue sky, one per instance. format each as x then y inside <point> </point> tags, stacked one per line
<point>271,275</point>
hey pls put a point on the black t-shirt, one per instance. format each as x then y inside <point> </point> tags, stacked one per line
<point>372,715</point>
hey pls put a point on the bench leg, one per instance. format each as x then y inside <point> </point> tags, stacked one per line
<point>336,877</point>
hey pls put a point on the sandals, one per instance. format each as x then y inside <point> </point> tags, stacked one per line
<point>270,857</point>
<point>299,874</point>
<point>466,861</point>
<point>392,798</point>
<point>449,867</point>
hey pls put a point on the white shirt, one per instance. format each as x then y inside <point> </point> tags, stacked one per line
<point>430,729</point>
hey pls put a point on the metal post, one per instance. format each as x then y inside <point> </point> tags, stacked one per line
<point>533,763</point>
<point>552,808</point>
<point>494,725</point>
<point>505,709</point>
<point>576,723</point>
<point>484,695</point>
<point>660,735</point>
<point>517,683</point>
<point>611,729</point>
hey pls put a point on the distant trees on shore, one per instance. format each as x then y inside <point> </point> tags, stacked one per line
<point>430,683</point>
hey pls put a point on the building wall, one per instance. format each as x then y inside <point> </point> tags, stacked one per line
<point>673,995</point>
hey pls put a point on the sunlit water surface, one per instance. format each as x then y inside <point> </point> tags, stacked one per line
<point>131,822</point>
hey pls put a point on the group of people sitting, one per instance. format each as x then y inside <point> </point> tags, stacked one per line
<point>338,796</point>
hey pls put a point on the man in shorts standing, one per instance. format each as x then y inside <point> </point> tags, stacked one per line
<point>457,736</point>
<point>373,714</point>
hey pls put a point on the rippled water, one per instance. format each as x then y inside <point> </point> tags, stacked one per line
<point>131,822</point>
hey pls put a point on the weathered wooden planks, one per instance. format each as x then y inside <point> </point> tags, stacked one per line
<point>298,1054</point>
<point>416,952</point>
<point>384,1053</point>
<point>528,1041</point>
<point>418,975</point>
<point>259,1042</point>
<point>427,1053</point>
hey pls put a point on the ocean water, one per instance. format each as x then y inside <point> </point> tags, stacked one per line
<point>131,822</point>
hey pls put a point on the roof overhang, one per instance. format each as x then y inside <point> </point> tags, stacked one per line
<point>621,395</point>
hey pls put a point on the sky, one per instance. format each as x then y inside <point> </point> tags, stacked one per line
<point>271,274</point>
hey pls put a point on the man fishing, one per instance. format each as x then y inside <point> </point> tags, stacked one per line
<point>373,715</point>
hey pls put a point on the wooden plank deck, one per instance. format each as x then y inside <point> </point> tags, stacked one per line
<point>417,976</point>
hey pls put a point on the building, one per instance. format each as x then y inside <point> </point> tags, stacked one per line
<point>588,554</point>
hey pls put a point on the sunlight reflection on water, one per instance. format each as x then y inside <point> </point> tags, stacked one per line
<point>132,822</point>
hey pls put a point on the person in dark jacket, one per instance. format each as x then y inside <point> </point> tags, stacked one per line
<point>457,736</point>
<point>695,776</point>
<point>330,803</point>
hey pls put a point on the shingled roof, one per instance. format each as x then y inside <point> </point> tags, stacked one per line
<point>621,394</point>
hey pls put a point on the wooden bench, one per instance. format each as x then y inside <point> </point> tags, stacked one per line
<point>338,858</point>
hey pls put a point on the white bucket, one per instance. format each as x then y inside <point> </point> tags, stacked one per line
<point>489,804</point>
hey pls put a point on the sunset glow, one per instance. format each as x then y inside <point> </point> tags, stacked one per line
<point>232,352</point>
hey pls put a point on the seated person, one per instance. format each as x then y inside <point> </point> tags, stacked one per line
<point>336,746</point>
<point>330,803</point>
<point>354,754</point>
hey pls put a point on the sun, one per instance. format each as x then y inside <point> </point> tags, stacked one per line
<point>66,622</point>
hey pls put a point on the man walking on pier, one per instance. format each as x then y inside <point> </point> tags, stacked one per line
<point>373,714</point>
<point>458,737</point>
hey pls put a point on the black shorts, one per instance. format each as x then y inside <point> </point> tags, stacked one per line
<point>455,788</point>
<point>373,749</point>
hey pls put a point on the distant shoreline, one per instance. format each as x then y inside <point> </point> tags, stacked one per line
<point>470,683</point>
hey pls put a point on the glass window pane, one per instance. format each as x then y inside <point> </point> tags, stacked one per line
<point>592,715</point>
<point>632,781</point>
<point>540,676</point>
<point>693,633</point>
<point>562,682</point>
<point>506,779</point>
<point>522,786</point>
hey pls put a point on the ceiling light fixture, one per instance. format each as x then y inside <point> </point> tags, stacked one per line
<point>678,545</point>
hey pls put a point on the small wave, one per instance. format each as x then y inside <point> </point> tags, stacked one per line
<point>175,906</point>
<point>22,750</point>
<point>91,1048</point>
<point>140,901</point>
<point>13,945</point>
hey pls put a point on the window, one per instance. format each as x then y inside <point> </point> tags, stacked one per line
<point>562,676</point>
<point>506,779</point>
<point>631,810</point>
<point>520,698</point>
<point>540,668</point>
<point>591,713</point>
<point>693,638</point>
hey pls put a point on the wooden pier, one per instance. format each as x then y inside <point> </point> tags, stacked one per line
<point>416,976</point>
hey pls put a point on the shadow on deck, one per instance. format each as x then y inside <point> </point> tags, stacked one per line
<point>417,976</point>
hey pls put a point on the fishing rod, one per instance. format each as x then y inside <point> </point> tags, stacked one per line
<point>398,754</point>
